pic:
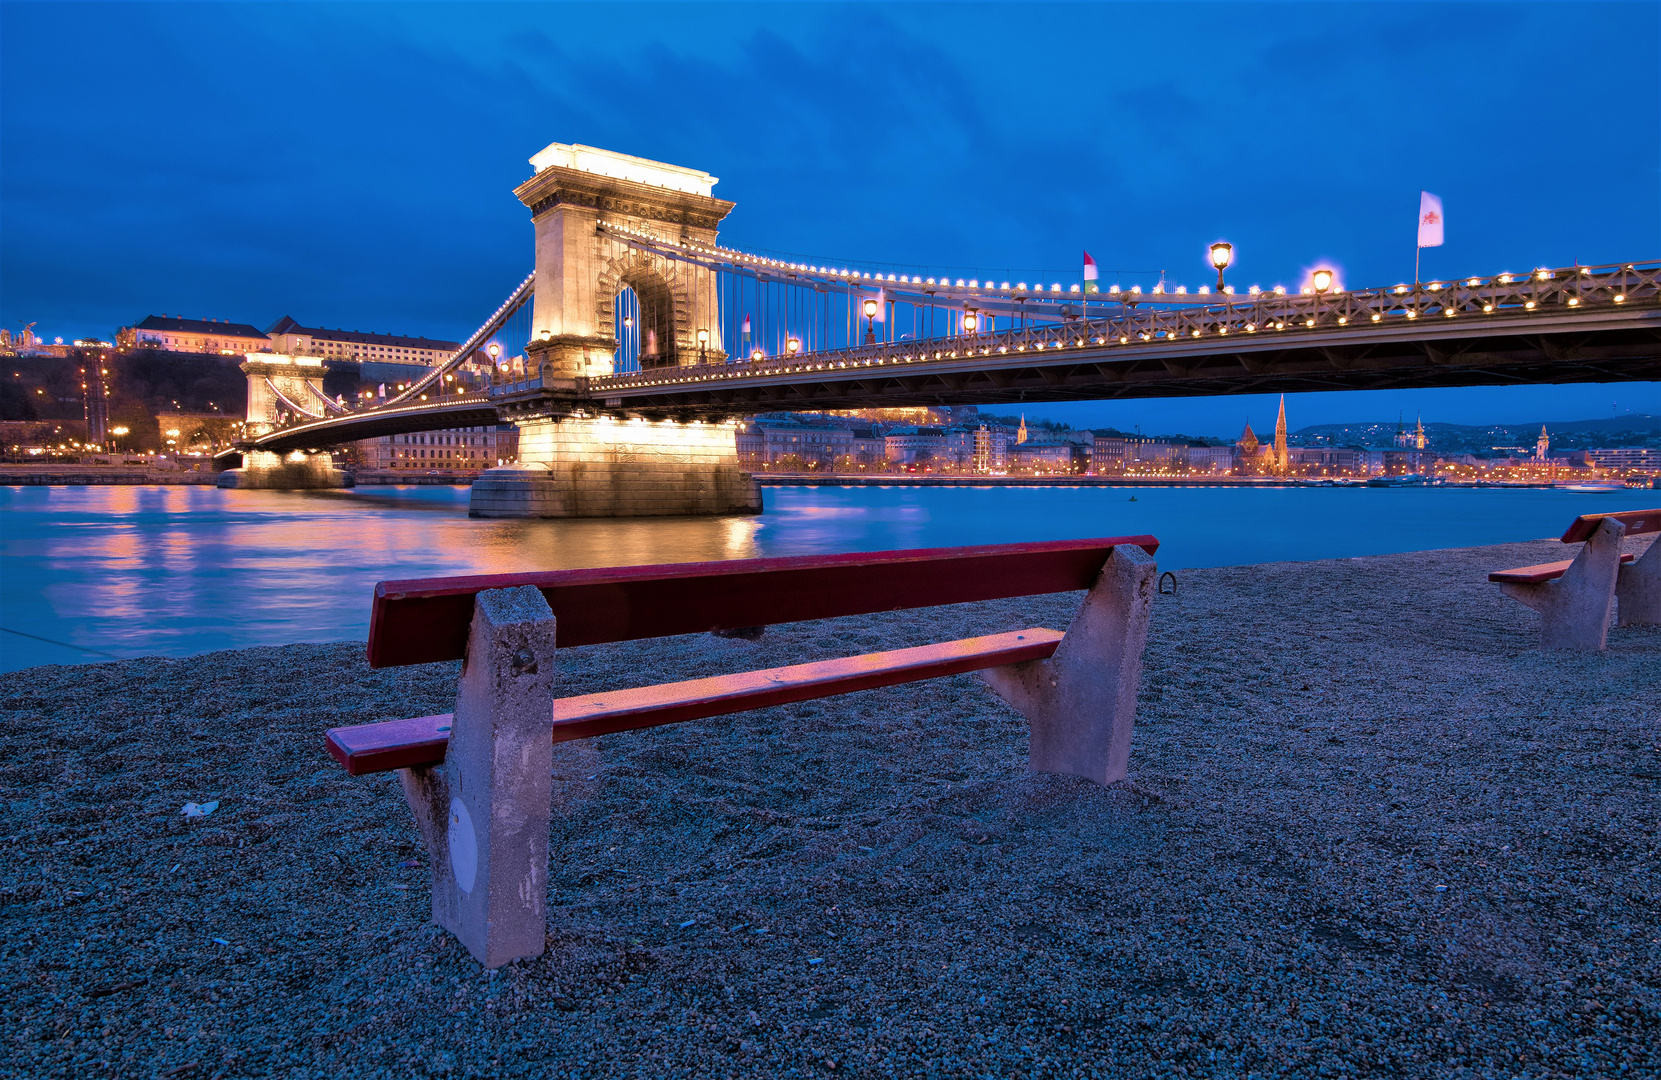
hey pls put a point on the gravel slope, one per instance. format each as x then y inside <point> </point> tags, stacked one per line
<point>1372,831</point>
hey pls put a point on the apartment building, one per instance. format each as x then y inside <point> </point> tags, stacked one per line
<point>457,448</point>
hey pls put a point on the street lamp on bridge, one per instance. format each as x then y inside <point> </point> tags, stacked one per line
<point>1222,253</point>
<point>870,321</point>
<point>1321,279</point>
<point>793,346</point>
<point>970,321</point>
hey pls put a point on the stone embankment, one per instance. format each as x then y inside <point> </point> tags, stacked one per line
<point>1371,831</point>
<point>13,475</point>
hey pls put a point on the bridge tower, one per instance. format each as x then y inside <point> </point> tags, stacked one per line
<point>584,204</point>
<point>271,378</point>
<point>277,383</point>
<point>581,201</point>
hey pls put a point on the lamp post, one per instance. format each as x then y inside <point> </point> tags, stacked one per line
<point>495,350</point>
<point>870,317</point>
<point>970,321</point>
<point>793,346</point>
<point>703,345</point>
<point>1222,253</point>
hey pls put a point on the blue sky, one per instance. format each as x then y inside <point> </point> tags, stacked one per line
<point>353,165</point>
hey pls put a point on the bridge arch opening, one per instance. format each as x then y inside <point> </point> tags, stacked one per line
<point>644,319</point>
<point>640,308</point>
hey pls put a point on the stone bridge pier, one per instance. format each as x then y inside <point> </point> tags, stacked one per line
<point>277,383</point>
<point>584,202</point>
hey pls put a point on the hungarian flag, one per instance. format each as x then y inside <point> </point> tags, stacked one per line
<point>1089,267</point>
<point>746,325</point>
<point>1430,220</point>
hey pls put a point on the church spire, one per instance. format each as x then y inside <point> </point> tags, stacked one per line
<point>1281,458</point>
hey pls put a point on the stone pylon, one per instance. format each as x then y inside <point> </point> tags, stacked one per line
<point>597,216</point>
<point>585,205</point>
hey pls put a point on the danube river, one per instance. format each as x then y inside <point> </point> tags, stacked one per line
<point>91,573</point>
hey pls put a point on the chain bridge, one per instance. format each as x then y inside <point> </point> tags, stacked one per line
<point>646,340</point>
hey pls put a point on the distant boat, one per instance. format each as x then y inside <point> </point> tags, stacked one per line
<point>1592,487</point>
<point>1410,480</point>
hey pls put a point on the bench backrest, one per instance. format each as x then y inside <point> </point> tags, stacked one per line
<point>1637,522</point>
<point>423,620</point>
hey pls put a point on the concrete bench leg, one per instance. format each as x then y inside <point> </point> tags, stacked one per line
<point>1081,702</point>
<point>1574,609</point>
<point>485,814</point>
<point>1638,589</point>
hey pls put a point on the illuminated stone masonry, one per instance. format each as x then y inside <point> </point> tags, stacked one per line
<point>299,471</point>
<point>580,268</point>
<point>572,464</point>
<point>283,387</point>
<point>605,467</point>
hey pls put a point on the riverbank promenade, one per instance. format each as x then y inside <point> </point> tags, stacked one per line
<point>1370,830</point>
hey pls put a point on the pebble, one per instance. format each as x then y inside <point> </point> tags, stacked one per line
<point>1252,905</point>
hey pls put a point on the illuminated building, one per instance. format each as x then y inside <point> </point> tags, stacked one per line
<point>1041,457</point>
<point>916,446</point>
<point>792,443</point>
<point>454,448</point>
<point>288,336</point>
<point>1282,462</point>
<point>212,336</point>
<point>1646,458</point>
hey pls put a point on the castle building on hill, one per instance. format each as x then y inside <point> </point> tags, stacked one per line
<point>288,336</point>
<point>213,336</point>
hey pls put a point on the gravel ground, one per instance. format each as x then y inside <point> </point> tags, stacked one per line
<point>1371,830</point>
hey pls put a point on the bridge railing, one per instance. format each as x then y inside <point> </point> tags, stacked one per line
<point>1161,317</point>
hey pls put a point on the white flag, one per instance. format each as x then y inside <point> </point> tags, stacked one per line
<point>1430,220</point>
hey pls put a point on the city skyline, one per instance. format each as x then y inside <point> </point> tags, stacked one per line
<point>376,191</point>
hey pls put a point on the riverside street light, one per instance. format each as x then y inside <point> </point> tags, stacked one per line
<point>870,321</point>
<point>1222,253</point>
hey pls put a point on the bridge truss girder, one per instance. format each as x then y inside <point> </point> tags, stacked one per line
<point>1632,353</point>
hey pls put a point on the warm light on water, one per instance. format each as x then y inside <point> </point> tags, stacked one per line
<point>133,571</point>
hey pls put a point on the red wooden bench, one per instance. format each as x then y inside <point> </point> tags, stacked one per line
<point>485,814</point>
<point>1574,596</point>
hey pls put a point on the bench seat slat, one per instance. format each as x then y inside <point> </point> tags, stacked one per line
<point>1534,575</point>
<point>397,744</point>
<point>425,620</point>
<point>1637,522</point>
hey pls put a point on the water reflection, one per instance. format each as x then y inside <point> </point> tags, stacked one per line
<point>179,570</point>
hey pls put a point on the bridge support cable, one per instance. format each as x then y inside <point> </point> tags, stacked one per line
<point>516,300</point>
<point>776,308</point>
<point>293,405</point>
<point>1500,328</point>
